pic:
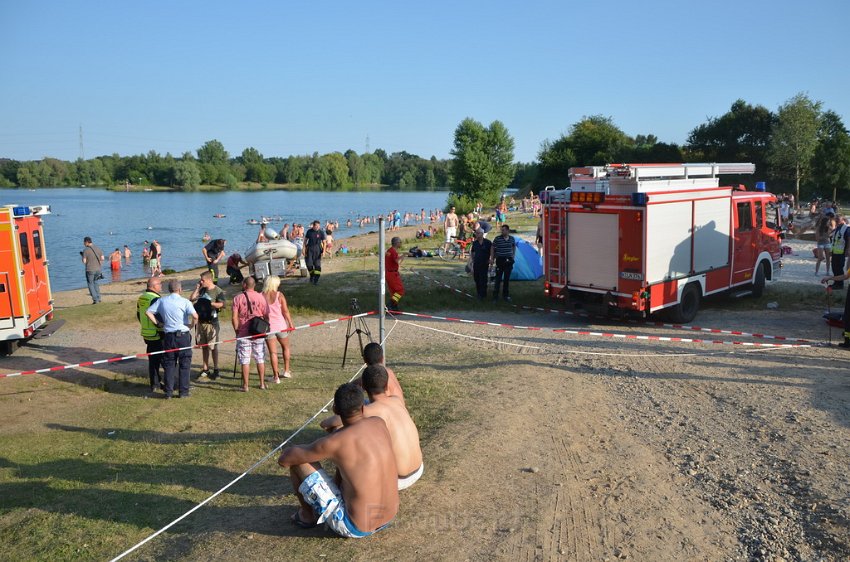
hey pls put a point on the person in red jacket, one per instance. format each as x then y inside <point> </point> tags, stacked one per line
<point>393,261</point>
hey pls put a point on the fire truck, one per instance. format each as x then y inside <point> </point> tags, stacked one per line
<point>26,302</point>
<point>653,238</point>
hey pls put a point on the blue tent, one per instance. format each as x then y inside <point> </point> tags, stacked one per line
<point>527,262</point>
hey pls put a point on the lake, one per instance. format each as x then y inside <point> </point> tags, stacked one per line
<point>179,220</point>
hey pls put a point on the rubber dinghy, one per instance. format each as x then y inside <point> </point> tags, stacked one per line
<point>271,250</point>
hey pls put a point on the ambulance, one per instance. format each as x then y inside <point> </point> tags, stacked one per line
<point>26,302</point>
<point>658,238</point>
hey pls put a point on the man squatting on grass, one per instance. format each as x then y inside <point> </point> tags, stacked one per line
<point>403,432</point>
<point>362,498</point>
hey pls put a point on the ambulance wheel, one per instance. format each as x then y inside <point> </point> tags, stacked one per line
<point>758,282</point>
<point>687,308</point>
<point>9,347</point>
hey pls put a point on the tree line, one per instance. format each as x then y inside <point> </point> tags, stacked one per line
<point>800,148</point>
<point>212,165</point>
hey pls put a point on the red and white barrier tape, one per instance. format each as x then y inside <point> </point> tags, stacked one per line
<point>658,324</point>
<point>600,334</point>
<point>198,346</point>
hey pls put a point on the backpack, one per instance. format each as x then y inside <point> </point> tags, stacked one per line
<point>204,308</point>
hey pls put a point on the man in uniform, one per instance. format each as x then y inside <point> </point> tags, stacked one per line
<point>213,254</point>
<point>209,300</point>
<point>481,249</point>
<point>391,274</point>
<point>314,244</point>
<point>150,332</point>
<point>178,315</point>
<point>502,252</point>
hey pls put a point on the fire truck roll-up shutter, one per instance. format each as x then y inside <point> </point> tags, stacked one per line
<point>593,248</point>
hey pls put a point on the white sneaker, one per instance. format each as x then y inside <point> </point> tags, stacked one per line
<point>287,375</point>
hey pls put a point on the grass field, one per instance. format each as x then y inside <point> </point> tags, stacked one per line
<point>89,466</point>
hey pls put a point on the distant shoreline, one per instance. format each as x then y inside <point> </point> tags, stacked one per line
<point>245,187</point>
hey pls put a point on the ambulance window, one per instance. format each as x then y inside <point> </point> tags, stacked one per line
<point>745,217</point>
<point>36,242</point>
<point>759,218</point>
<point>25,247</point>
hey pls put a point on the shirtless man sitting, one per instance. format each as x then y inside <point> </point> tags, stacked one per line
<point>373,354</point>
<point>405,436</point>
<point>363,497</point>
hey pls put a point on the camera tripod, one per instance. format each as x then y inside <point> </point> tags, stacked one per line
<point>355,326</point>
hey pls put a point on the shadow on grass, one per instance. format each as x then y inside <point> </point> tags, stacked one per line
<point>158,437</point>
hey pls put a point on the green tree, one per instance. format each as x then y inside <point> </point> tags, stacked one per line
<point>593,141</point>
<point>256,170</point>
<point>187,175</point>
<point>333,170</point>
<point>482,164</point>
<point>794,139</point>
<point>742,134</point>
<point>213,152</point>
<point>831,161</point>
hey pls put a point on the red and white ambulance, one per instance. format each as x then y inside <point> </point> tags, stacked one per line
<point>26,302</point>
<point>658,237</point>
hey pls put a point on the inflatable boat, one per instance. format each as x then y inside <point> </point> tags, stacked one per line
<point>271,250</point>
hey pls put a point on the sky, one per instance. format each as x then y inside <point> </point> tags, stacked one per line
<point>290,77</point>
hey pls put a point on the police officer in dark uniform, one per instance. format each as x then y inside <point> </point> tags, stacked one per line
<point>843,277</point>
<point>314,246</point>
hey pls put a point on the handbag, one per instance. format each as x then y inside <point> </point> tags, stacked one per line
<point>257,324</point>
<point>98,275</point>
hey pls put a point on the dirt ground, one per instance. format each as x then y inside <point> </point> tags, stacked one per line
<point>592,448</point>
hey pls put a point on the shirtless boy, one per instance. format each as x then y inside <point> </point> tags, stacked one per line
<point>450,225</point>
<point>405,436</point>
<point>363,497</point>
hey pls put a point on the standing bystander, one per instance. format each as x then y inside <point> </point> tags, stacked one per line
<point>392,275</point>
<point>451,224</point>
<point>247,305</point>
<point>280,322</point>
<point>314,242</point>
<point>504,248</point>
<point>480,257</point>
<point>178,315</point>
<point>151,333</point>
<point>213,253</point>
<point>839,239</point>
<point>208,300</point>
<point>93,260</point>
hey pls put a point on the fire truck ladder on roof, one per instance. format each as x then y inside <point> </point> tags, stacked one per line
<point>661,171</point>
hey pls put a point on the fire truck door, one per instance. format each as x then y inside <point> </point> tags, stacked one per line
<point>34,277</point>
<point>743,256</point>
<point>7,319</point>
<point>39,265</point>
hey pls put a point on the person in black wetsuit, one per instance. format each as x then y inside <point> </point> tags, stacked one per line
<point>314,247</point>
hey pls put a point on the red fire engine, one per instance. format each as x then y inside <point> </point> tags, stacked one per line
<point>26,302</point>
<point>653,237</point>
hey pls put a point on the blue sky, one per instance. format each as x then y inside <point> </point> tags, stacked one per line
<point>297,77</point>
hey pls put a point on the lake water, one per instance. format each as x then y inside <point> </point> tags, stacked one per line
<point>179,220</point>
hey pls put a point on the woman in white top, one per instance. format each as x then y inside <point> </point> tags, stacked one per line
<point>279,323</point>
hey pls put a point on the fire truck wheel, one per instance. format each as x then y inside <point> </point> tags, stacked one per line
<point>758,282</point>
<point>687,308</point>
